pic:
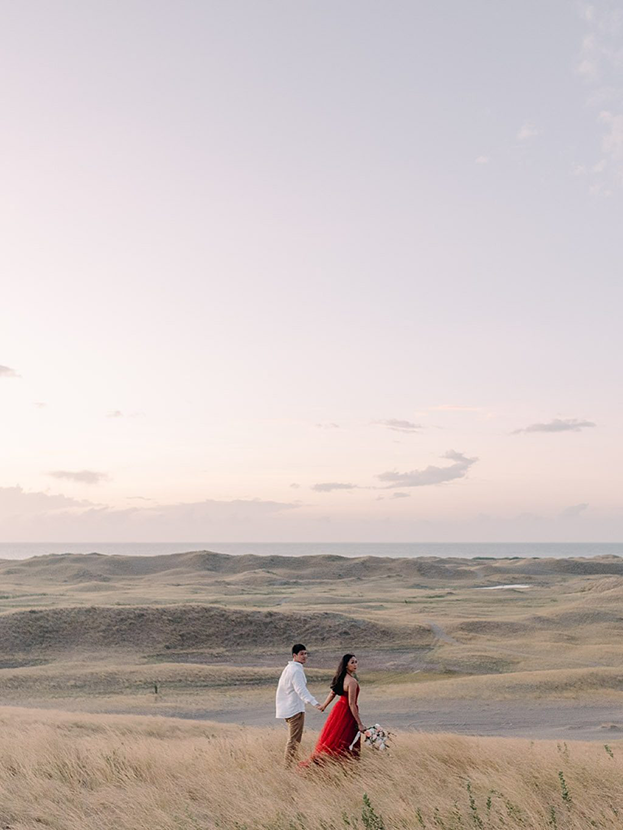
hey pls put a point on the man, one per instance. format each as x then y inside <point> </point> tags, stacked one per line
<point>292,695</point>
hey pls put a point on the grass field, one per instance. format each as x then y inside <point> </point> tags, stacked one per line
<point>95,772</point>
<point>201,638</point>
<point>97,632</point>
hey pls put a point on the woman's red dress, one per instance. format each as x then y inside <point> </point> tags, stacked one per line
<point>338,733</point>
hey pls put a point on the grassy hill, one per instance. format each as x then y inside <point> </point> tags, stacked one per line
<point>95,632</point>
<point>182,627</point>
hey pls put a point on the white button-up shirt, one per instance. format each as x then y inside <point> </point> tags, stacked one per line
<point>292,691</point>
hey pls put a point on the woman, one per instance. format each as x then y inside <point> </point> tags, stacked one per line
<point>342,725</point>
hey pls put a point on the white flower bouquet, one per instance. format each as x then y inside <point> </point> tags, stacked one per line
<point>376,737</point>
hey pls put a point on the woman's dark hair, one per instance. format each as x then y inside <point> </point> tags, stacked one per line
<point>337,684</point>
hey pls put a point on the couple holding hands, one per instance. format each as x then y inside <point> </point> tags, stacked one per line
<point>340,735</point>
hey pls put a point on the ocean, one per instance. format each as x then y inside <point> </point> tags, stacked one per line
<point>24,550</point>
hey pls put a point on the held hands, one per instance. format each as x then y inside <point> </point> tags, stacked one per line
<point>319,707</point>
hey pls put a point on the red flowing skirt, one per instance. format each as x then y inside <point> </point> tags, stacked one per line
<point>338,734</point>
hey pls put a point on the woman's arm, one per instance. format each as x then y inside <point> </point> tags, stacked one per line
<point>352,702</point>
<point>327,701</point>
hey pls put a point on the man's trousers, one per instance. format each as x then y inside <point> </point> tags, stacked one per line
<point>295,733</point>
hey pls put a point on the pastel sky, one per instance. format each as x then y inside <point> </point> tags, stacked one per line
<point>325,271</point>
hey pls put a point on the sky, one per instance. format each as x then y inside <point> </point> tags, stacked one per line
<point>311,271</point>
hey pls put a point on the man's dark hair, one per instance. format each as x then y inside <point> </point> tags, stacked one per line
<point>298,647</point>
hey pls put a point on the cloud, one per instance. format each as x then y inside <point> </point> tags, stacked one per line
<point>16,503</point>
<point>573,511</point>
<point>482,160</point>
<point>329,486</point>
<point>600,50</point>
<point>401,495</point>
<point>612,141</point>
<point>527,131</point>
<point>431,475</point>
<point>40,516</point>
<point>116,413</point>
<point>587,68</point>
<point>82,476</point>
<point>211,508</point>
<point>599,64</point>
<point>398,425</point>
<point>588,65</point>
<point>44,517</point>
<point>330,425</point>
<point>7,372</point>
<point>557,425</point>
<point>599,189</point>
<point>295,486</point>
<point>39,404</point>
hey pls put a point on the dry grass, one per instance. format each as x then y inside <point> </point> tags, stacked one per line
<point>189,688</point>
<point>182,628</point>
<point>568,618</point>
<point>73,637</point>
<point>73,772</point>
<point>95,632</point>
<point>572,684</point>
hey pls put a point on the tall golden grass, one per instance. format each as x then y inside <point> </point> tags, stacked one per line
<point>98,772</point>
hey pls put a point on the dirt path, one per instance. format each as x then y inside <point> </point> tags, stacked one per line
<point>564,720</point>
<point>440,635</point>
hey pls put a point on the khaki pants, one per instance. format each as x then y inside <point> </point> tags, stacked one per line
<point>295,733</point>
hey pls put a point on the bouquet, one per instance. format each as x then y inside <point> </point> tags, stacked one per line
<point>375,736</point>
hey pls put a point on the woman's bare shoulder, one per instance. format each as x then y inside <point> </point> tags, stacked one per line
<point>350,681</point>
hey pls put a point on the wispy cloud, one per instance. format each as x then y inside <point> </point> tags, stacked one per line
<point>115,413</point>
<point>557,425</point>
<point>7,372</point>
<point>15,502</point>
<point>589,57</point>
<point>401,495</point>
<point>329,486</point>
<point>398,425</point>
<point>430,475</point>
<point>482,160</point>
<point>82,476</point>
<point>612,142</point>
<point>40,515</point>
<point>600,61</point>
<point>39,404</point>
<point>527,131</point>
<point>573,511</point>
